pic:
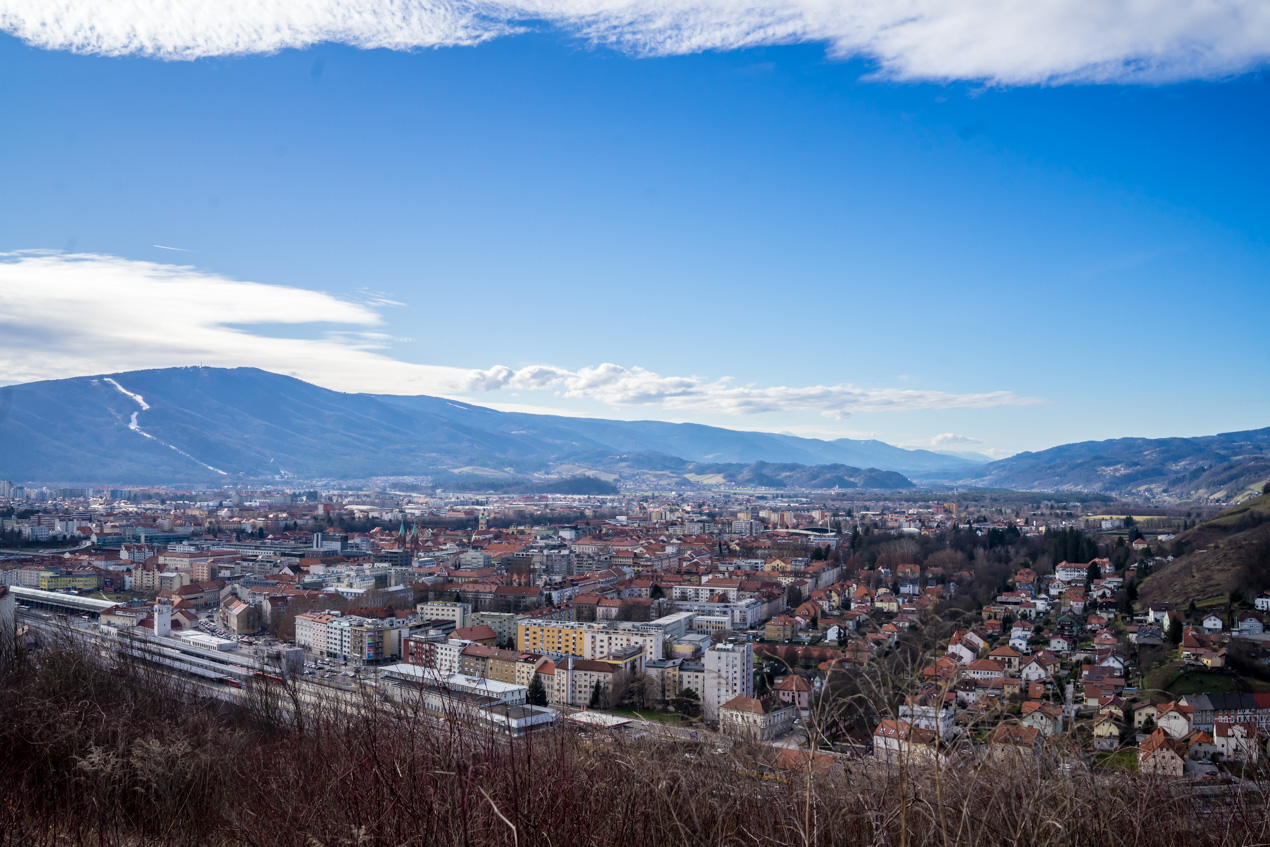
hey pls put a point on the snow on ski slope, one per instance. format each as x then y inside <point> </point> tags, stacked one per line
<point>135,427</point>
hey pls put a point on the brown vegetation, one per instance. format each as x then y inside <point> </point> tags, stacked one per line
<point>130,756</point>
<point>1230,552</point>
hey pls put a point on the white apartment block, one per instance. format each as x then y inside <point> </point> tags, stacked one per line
<point>1069,572</point>
<point>445,655</point>
<point>350,638</point>
<point>702,593</point>
<point>310,631</point>
<point>445,610</point>
<point>338,638</point>
<point>711,624</point>
<point>602,641</point>
<point>744,614</point>
<point>729,672</point>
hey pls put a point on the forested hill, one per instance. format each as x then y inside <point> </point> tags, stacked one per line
<point>1221,468</point>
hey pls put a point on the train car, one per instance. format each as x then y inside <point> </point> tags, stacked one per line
<point>268,677</point>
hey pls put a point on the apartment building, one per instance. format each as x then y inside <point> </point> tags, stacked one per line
<point>474,659</point>
<point>503,624</point>
<point>445,610</point>
<point>310,632</point>
<point>559,637</point>
<point>59,579</point>
<point>527,665</point>
<point>573,681</point>
<point>743,614</point>
<point>752,718</point>
<point>351,639</point>
<point>729,673</point>
<point>441,655</point>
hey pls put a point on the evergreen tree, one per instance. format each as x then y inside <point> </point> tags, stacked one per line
<point>597,694</point>
<point>1092,573</point>
<point>688,702</point>
<point>537,692</point>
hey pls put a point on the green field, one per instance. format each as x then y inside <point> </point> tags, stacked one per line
<point>1206,682</point>
<point>706,478</point>
<point>1196,682</point>
<point>1258,506</point>
<point>1121,760</point>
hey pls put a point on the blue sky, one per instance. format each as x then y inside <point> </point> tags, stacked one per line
<point>970,265</point>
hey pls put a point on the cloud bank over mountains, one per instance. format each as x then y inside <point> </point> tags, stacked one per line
<point>64,315</point>
<point>997,41</point>
<point>619,386</point>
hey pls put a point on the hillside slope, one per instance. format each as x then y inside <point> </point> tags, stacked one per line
<point>1232,550</point>
<point>1220,468</point>
<point>192,424</point>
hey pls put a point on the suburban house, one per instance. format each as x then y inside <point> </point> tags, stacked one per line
<point>895,740</point>
<point>1175,718</point>
<point>1162,755</point>
<point>1250,623</point>
<point>1013,741</point>
<point>750,717</point>
<point>1047,718</point>
<point>1106,732</point>
<point>1238,741</point>
<point>794,691</point>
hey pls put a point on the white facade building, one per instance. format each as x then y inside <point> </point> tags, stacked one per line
<point>445,610</point>
<point>729,673</point>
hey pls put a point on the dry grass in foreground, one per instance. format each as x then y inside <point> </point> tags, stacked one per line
<point>133,757</point>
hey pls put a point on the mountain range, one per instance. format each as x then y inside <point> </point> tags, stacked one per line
<point>207,424</point>
<point>218,424</point>
<point>1218,468</point>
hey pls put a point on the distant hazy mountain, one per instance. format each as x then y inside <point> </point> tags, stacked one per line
<point>693,442</point>
<point>196,424</point>
<point>204,424</point>
<point>1219,467</point>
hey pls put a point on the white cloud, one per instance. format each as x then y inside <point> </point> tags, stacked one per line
<point>1002,41</point>
<point>615,385</point>
<point>65,315</point>
<point>949,439</point>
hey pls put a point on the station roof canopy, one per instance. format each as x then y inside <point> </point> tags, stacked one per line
<point>70,602</point>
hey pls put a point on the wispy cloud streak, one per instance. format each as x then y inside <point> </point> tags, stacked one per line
<point>1000,41</point>
<point>618,386</point>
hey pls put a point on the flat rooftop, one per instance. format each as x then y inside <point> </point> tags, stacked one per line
<point>599,719</point>
<point>54,598</point>
<point>430,676</point>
